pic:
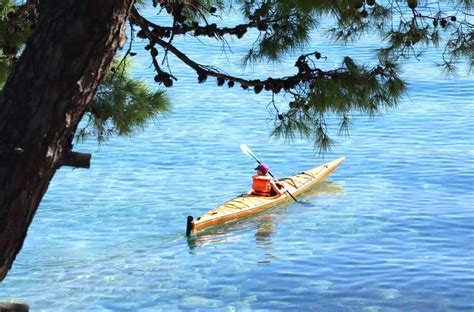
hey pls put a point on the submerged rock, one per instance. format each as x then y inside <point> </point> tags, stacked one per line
<point>13,307</point>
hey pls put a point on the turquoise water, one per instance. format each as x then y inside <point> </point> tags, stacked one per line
<point>390,230</point>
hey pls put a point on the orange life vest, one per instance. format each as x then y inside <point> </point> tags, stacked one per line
<point>261,185</point>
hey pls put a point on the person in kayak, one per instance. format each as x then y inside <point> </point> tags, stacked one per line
<point>264,185</point>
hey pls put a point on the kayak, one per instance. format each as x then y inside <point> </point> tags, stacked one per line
<point>249,203</point>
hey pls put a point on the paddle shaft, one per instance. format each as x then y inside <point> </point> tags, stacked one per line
<point>256,159</point>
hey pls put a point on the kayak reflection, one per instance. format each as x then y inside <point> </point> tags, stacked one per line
<point>263,223</point>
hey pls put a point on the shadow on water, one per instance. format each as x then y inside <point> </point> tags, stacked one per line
<point>263,222</point>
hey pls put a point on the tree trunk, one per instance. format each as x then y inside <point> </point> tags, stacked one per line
<point>42,102</point>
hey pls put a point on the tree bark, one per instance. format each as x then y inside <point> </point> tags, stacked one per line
<point>77,160</point>
<point>42,102</point>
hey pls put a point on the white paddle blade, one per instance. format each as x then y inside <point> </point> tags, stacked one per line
<point>246,150</point>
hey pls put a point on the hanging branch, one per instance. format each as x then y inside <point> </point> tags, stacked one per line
<point>314,92</point>
<point>204,71</point>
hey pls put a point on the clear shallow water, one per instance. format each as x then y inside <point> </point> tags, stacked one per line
<point>390,230</point>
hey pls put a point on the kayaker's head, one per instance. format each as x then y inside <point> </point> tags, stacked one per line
<point>262,169</point>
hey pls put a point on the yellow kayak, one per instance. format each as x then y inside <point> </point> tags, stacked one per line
<point>249,203</point>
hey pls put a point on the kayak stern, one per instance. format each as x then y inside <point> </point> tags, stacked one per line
<point>189,225</point>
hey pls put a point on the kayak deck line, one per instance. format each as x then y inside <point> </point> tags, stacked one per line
<point>249,203</point>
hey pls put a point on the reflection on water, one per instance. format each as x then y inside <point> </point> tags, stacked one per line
<point>263,223</point>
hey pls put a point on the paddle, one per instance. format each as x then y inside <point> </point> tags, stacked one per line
<point>246,150</point>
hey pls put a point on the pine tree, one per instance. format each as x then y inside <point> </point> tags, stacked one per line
<point>56,53</point>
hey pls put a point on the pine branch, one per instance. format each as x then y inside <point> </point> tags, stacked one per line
<point>210,30</point>
<point>204,71</point>
<point>316,93</point>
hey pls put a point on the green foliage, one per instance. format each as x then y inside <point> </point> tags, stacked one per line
<point>352,88</point>
<point>191,11</point>
<point>284,26</point>
<point>15,28</point>
<point>122,106</point>
<point>406,29</point>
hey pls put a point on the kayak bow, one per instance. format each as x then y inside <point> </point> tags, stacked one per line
<point>249,203</point>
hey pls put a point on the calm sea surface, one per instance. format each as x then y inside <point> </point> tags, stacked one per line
<point>392,229</point>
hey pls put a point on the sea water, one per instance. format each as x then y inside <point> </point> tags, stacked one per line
<point>390,230</point>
